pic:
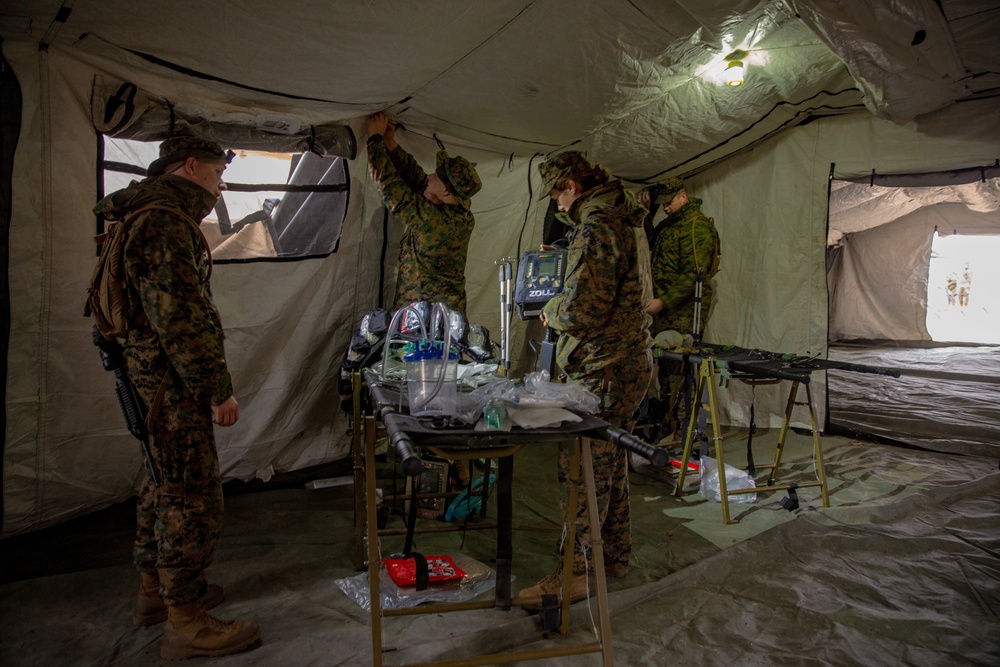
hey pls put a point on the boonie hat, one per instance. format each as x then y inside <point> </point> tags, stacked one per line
<point>563,166</point>
<point>177,149</point>
<point>459,175</point>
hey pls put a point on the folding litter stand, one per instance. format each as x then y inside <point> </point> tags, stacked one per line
<point>405,432</point>
<point>756,367</point>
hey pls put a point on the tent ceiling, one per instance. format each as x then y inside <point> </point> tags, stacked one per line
<point>855,207</point>
<point>632,81</point>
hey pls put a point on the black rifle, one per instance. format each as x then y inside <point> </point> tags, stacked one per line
<point>133,407</point>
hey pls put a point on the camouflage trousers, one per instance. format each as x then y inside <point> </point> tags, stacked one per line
<point>179,521</point>
<point>676,393</point>
<point>621,388</point>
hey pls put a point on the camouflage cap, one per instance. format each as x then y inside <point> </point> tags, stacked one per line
<point>459,175</point>
<point>668,189</point>
<point>563,166</point>
<point>176,149</point>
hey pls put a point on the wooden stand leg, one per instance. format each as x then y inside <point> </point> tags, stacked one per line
<point>357,452</point>
<point>783,433</point>
<point>597,549</point>
<point>817,450</point>
<point>705,371</point>
<point>374,562</point>
<point>569,544</point>
<point>713,413</point>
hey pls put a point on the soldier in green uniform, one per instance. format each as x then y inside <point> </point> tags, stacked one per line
<point>685,251</point>
<point>435,211</point>
<point>175,358</point>
<point>604,344</point>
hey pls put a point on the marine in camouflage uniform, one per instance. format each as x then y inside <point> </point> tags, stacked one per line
<point>604,341</point>
<point>686,244</point>
<point>435,241</point>
<point>175,349</point>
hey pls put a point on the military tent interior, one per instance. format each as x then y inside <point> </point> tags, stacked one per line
<point>863,137</point>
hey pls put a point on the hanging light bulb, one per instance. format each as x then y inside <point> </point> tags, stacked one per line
<point>735,71</point>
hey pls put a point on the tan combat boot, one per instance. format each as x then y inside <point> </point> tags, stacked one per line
<point>552,585</point>
<point>149,607</point>
<point>191,632</point>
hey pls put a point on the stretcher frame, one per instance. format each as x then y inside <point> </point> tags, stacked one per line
<point>366,427</point>
<point>705,384</point>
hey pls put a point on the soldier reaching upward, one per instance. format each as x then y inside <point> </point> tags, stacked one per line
<point>434,210</point>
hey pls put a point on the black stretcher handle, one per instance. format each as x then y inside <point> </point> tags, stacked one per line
<point>657,456</point>
<point>412,465</point>
<point>761,370</point>
<point>845,366</point>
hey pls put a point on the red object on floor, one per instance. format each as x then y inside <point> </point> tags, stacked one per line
<point>403,571</point>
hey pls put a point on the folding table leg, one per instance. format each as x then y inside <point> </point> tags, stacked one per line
<point>597,550</point>
<point>783,433</point>
<point>569,544</point>
<point>817,450</point>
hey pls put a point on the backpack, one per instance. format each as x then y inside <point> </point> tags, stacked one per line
<point>108,299</point>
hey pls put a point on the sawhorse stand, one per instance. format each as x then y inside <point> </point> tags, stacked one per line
<point>705,384</point>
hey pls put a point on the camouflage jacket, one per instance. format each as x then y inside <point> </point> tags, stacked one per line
<point>599,314</point>
<point>686,243</point>
<point>167,263</point>
<point>435,239</point>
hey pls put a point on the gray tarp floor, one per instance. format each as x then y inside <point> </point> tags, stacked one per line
<point>946,398</point>
<point>902,569</point>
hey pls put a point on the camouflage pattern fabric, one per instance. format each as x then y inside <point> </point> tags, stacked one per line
<point>176,149</point>
<point>673,382</point>
<point>645,265</point>
<point>687,241</point>
<point>669,188</point>
<point>435,241</point>
<point>604,344</point>
<point>459,176</point>
<point>168,265</point>
<point>621,389</point>
<point>178,524</point>
<point>599,314</point>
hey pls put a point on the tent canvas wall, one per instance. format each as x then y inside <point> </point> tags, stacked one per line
<point>830,91</point>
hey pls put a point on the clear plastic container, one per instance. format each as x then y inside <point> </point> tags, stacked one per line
<point>427,396</point>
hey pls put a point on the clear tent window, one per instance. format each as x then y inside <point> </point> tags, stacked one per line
<point>277,206</point>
